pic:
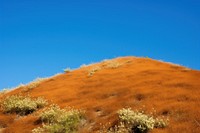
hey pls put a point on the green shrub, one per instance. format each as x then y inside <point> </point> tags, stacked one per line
<point>22,105</point>
<point>59,120</point>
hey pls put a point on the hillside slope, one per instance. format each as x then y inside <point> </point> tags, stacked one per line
<point>102,89</point>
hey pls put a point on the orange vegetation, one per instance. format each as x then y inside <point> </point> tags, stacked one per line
<point>102,89</point>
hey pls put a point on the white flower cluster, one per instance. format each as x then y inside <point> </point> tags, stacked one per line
<point>22,104</point>
<point>51,114</point>
<point>59,120</point>
<point>139,120</point>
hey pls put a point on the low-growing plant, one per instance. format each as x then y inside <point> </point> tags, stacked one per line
<point>38,130</point>
<point>5,90</point>
<point>134,122</point>
<point>93,70</point>
<point>36,82</point>
<point>113,64</point>
<point>136,119</point>
<point>29,86</point>
<point>83,66</point>
<point>67,70</point>
<point>51,114</point>
<point>22,105</point>
<point>121,128</point>
<point>41,102</point>
<point>160,123</point>
<point>33,84</point>
<point>58,120</point>
<point>140,122</point>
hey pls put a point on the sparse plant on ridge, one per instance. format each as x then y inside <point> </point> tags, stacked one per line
<point>67,70</point>
<point>83,66</point>
<point>29,86</point>
<point>5,90</point>
<point>33,84</point>
<point>93,70</point>
<point>112,64</point>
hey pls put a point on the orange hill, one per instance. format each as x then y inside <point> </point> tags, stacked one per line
<point>102,89</point>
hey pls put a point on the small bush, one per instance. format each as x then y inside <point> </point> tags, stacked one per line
<point>22,104</point>
<point>140,122</point>
<point>59,120</point>
<point>113,64</point>
<point>83,66</point>
<point>40,102</point>
<point>51,114</point>
<point>36,82</point>
<point>33,84</point>
<point>137,120</point>
<point>67,70</point>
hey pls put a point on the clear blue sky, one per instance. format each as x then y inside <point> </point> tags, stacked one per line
<point>39,38</point>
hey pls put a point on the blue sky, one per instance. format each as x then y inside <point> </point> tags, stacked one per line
<point>39,38</point>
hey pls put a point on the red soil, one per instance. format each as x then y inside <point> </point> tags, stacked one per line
<point>172,90</point>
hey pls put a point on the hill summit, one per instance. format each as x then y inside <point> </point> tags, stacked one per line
<point>100,90</point>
